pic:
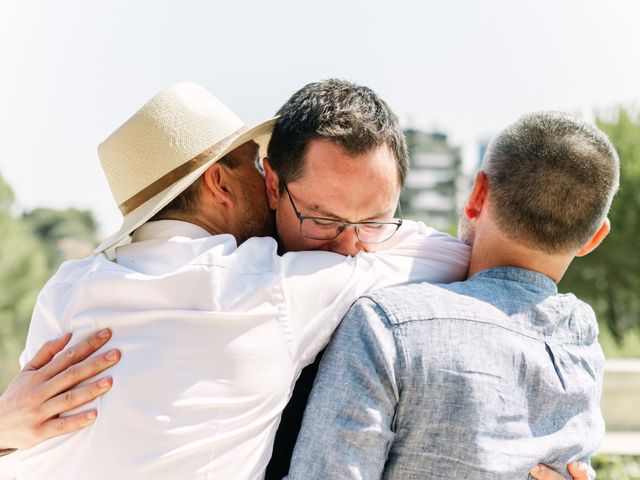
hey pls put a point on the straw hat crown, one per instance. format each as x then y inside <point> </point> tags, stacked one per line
<point>165,146</point>
<point>174,126</point>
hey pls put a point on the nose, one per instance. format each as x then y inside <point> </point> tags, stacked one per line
<point>347,243</point>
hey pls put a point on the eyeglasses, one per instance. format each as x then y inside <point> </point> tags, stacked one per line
<point>320,228</point>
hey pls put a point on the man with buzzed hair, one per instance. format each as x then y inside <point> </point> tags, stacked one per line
<point>482,378</point>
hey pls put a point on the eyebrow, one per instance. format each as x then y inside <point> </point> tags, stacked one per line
<point>331,216</point>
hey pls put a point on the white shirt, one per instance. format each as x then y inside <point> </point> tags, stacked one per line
<point>213,337</point>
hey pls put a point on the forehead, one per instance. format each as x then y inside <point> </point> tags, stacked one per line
<point>347,186</point>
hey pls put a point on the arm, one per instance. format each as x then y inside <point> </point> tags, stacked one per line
<point>319,287</point>
<point>577,470</point>
<point>44,389</point>
<point>347,427</point>
<point>418,253</point>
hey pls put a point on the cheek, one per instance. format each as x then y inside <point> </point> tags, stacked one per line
<point>286,219</point>
<point>466,229</point>
<point>286,227</point>
<point>290,238</point>
<point>256,193</point>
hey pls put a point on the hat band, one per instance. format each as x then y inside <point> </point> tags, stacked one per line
<point>178,173</point>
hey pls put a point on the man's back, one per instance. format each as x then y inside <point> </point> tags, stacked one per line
<point>206,368</point>
<point>477,379</point>
<point>213,337</point>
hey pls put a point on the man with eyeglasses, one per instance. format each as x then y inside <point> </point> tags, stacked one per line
<point>250,319</point>
<point>213,325</point>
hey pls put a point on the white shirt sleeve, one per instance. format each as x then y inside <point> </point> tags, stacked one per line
<point>47,320</point>
<point>319,287</point>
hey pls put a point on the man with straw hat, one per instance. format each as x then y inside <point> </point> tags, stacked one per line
<point>214,325</point>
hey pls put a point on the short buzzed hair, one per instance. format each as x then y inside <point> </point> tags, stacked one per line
<point>351,115</point>
<point>552,178</point>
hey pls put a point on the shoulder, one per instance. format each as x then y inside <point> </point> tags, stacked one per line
<point>58,295</point>
<point>256,255</point>
<point>579,321</point>
<point>70,278</point>
<point>431,256</point>
<point>260,255</point>
<point>75,271</point>
<point>424,302</point>
<point>416,235</point>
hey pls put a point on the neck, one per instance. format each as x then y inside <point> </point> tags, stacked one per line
<point>484,255</point>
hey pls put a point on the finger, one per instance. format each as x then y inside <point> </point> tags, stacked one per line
<point>61,425</point>
<point>47,352</point>
<point>76,353</point>
<point>579,471</point>
<point>542,472</point>
<point>80,372</point>
<point>75,397</point>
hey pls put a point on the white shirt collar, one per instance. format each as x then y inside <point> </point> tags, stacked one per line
<point>163,246</point>
<point>163,229</point>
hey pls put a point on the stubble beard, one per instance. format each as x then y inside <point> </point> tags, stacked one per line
<point>466,231</point>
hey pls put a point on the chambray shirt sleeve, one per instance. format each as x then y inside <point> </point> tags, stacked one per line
<point>347,428</point>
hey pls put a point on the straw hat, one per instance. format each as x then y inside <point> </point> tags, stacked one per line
<point>165,146</point>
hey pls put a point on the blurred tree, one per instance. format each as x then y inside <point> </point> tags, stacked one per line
<point>53,227</point>
<point>609,277</point>
<point>23,271</point>
<point>616,467</point>
<point>31,249</point>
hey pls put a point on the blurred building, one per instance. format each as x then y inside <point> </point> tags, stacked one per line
<point>433,185</point>
<point>482,149</point>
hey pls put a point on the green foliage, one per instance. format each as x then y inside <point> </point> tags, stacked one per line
<point>53,226</point>
<point>616,467</point>
<point>6,196</point>
<point>23,271</point>
<point>628,347</point>
<point>30,251</point>
<point>609,277</point>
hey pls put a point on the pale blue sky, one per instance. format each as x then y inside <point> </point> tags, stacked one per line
<point>72,71</point>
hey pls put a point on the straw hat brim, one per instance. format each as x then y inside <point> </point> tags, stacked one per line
<point>260,134</point>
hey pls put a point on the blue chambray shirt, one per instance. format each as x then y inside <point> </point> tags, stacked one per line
<point>480,379</point>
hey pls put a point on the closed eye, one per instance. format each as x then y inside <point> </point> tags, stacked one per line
<point>323,222</point>
<point>372,226</point>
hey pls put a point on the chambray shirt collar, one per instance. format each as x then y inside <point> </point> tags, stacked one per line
<point>529,277</point>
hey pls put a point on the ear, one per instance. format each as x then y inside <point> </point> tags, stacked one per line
<point>597,239</point>
<point>217,183</point>
<point>476,201</point>
<point>272,183</point>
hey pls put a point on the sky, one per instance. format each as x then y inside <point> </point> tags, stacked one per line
<point>72,71</point>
